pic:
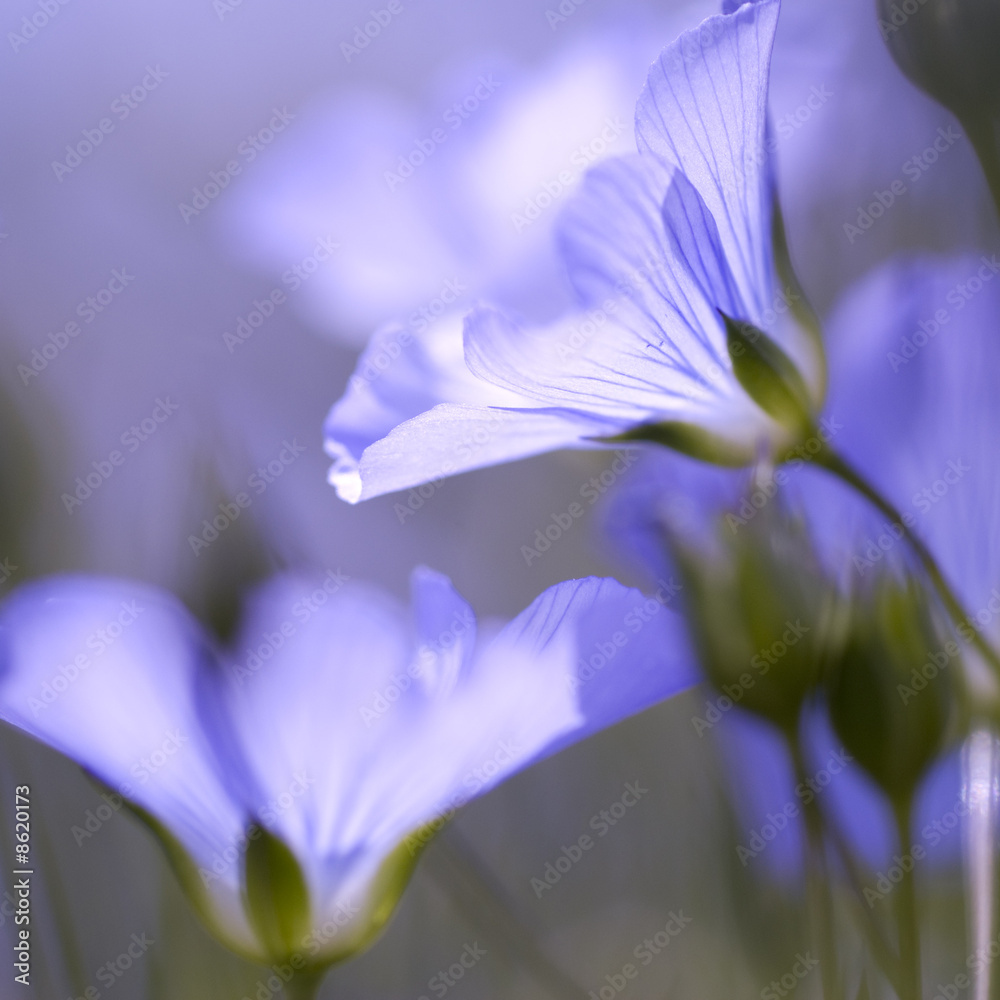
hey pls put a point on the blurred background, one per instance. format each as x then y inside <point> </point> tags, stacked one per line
<point>205,210</point>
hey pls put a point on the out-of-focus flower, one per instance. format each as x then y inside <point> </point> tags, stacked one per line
<point>294,779</point>
<point>912,359</point>
<point>431,211</point>
<point>767,621</point>
<point>949,49</point>
<point>913,356</point>
<point>670,255</point>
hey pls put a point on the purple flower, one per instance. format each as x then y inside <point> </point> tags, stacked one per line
<point>339,731</point>
<point>659,246</point>
<point>913,356</point>
<point>432,209</point>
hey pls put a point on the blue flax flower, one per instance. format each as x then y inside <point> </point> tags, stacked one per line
<point>913,359</point>
<point>294,778</point>
<point>660,246</point>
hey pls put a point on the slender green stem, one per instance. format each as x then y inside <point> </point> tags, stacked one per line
<point>833,463</point>
<point>906,909</point>
<point>305,984</point>
<point>818,882</point>
<point>888,961</point>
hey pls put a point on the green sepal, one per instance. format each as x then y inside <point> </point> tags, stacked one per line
<point>383,895</point>
<point>891,712</point>
<point>387,888</point>
<point>275,893</point>
<point>688,439</point>
<point>183,867</point>
<point>768,375</point>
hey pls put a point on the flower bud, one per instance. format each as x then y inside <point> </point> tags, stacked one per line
<point>765,618</point>
<point>947,48</point>
<point>890,695</point>
<point>769,376</point>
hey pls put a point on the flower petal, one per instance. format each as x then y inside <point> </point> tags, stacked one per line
<point>305,673</point>
<point>104,671</point>
<point>913,358</point>
<point>704,111</point>
<point>399,376</point>
<point>453,438</point>
<point>446,631</point>
<point>639,244</point>
<point>631,651</point>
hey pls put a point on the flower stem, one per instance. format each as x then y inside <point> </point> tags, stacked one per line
<point>837,466</point>
<point>981,772</point>
<point>305,984</point>
<point>906,910</point>
<point>817,881</point>
<point>882,952</point>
